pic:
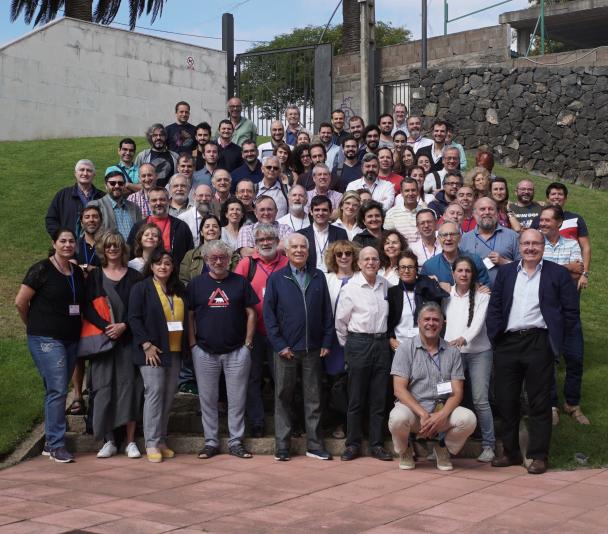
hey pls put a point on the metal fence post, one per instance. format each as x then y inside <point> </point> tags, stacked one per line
<point>228,47</point>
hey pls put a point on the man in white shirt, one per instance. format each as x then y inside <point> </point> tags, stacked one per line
<point>277,133</point>
<point>403,218</point>
<point>400,116</point>
<point>179,191</point>
<point>381,190</point>
<point>415,140</point>
<point>321,176</point>
<point>195,213</point>
<point>296,218</point>
<point>428,245</point>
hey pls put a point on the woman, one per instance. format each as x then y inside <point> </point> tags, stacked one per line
<point>146,240</point>
<point>49,303</point>
<point>341,261</point>
<point>157,317</point>
<point>393,245</point>
<point>479,179</point>
<point>115,384</point>
<point>406,297</point>
<point>399,140</point>
<point>303,138</point>
<point>424,161</point>
<point>499,192</point>
<point>288,175</point>
<point>371,217</point>
<point>465,315</point>
<point>345,215</point>
<point>408,160</point>
<point>301,159</point>
<point>232,215</point>
<point>418,174</point>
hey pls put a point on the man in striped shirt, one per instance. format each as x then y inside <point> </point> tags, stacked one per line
<point>403,218</point>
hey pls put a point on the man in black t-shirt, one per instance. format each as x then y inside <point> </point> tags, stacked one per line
<point>159,155</point>
<point>181,135</point>
<point>222,325</point>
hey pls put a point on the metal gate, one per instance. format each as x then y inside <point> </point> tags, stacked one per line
<point>390,93</point>
<point>270,80</point>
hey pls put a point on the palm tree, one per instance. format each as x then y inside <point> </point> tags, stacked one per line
<point>351,30</point>
<point>43,11</point>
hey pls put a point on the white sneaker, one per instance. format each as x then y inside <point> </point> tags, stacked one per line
<point>442,457</point>
<point>108,450</point>
<point>132,451</point>
<point>486,456</point>
<point>406,459</point>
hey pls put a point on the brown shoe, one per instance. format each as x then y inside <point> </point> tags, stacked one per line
<point>537,467</point>
<point>577,414</point>
<point>506,461</point>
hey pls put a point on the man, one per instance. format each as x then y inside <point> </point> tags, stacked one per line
<point>321,234</point>
<point>454,213</point>
<point>465,197</point>
<point>371,137</point>
<point>118,214</point>
<point>428,381</point>
<point>451,184</point>
<point>566,252</point>
<point>451,165</point>
<point>181,135</point>
<point>337,124</point>
<point>533,308</point>
<point>272,185</point>
<point>203,136</point>
<point>449,142</point>
<point>221,182</point>
<point>385,123</point>
<point>361,326</point>
<point>349,167</point>
<point>573,227</point>
<point>230,156</point>
<point>435,150</point>
<point>179,200</point>
<point>356,126</point>
<point>415,139</point>
<point>185,166</point>
<point>244,129</point>
<point>86,254</point>
<point>126,155</point>
<point>385,170</point>
<point>440,265</point>
<point>211,154</point>
<point>147,179</point>
<point>381,190</point>
<point>298,318</point>
<point>331,149</point>
<point>67,204</point>
<point>492,242</point>
<point>403,218</point>
<point>245,192</point>
<point>525,209</point>
<point>257,268</point>
<point>321,177</point>
<point>292,118</point>
<point>400,116</point>
<point>318,154</point>
<point>265,212</point>
<point>251,169</point>
<point>195,213</point>
<point>428,245</point>
<point>296,218</point>
<point>175,234</point>
<point>222,324</point>
<point>277,133</point>
<point>163,159</point>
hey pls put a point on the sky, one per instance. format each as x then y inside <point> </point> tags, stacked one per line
<point>261,20</point>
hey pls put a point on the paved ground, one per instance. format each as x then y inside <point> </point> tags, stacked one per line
<point>227,494</point>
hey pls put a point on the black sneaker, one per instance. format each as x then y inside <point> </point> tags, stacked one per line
<point>380,453</point>
<point>61,455</point>
<point>319,454</point>
<point>188,388</point>
<point>282,455</point>
<point>46,450</point>
<point>350,453</point>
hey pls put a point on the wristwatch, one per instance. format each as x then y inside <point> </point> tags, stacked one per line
<point>585,274</point>
<point>249,345</point>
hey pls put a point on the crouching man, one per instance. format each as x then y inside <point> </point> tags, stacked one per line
<point>428,381</point>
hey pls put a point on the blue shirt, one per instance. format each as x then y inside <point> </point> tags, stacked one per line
<point>243,172</point>
<point>440,267</point>
<point>131,173</point>
<point>124,223</point>
<point>299,275</point>
<point>202,177</point>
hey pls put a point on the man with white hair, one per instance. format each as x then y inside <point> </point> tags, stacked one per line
<point>271,184</point>
<point>296,218</point>
<point>179,195</point>
<point>321,176</point>
<point>196,212</point>
<point>292,118</point>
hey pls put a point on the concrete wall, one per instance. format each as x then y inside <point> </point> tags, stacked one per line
<point>76,79</point>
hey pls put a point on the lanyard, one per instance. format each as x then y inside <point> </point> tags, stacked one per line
<point>70,278</point>
<point>449,268</point>
<point>491,246</point>
<point>468,224</point>
<point>162,230</point>
<point>170,299</point>
<point>426,257</point>
<point>321,250</point>
<point>437,362</point>
<point>146,204</point>
<point>294,226</point>
<point>264,269</point>
<point>412,306</point>
<point>87,260</point>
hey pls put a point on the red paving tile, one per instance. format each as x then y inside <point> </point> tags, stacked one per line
<point>426,523</point>
<point>75,519</point>
<point>132,526</point>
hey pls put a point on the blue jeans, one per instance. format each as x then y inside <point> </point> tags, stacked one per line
<point>479,367</point>
<point>55,360</point>
<point>573,355</point>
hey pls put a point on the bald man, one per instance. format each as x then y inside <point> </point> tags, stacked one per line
<point>277,136</point>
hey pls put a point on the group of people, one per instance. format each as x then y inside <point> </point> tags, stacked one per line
<point>323,264</point>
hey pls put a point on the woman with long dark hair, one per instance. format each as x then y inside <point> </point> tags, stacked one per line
<point>302,162</point>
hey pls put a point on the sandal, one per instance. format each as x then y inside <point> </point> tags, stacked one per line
<point>577,414</point>
<point>240,451</point>
<point>208,451</point>
<point>76,408</point>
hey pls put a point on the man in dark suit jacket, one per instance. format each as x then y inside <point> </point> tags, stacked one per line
<point>533,307</point>
<point>320,233</point>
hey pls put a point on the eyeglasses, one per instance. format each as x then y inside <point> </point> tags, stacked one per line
<point>111,246</point>
<point>112,183</point>
<point>345,253</point>
<point>265,239</point>
<point>407,267</point>
<point>449,234</point>
<point>272,168</point>
<point>531,244</point>
<point>235,107</point>
<point>453,184</point>
<point>217,259</point>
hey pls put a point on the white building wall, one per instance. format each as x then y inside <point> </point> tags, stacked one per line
<point>76,79</point>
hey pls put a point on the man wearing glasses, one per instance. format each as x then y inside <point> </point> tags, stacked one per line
<point>272,186</point>
<point>452,182</point>
<point>244,129</point>
<point>251,169</point>
<point>525,209</point>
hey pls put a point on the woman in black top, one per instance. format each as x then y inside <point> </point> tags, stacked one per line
<point>370,217</point>
<point>49,303</point>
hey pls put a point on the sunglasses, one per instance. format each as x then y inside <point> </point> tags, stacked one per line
<point>272,168</point>
<point>112,183</point>
<point>345,253</point>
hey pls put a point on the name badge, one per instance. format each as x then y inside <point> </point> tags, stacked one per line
<point>175,326</point>
<point>488,263</point>
<point>74,309</point>
<point>263,291</point>
<point>444,388</point>
<point>411,332</point>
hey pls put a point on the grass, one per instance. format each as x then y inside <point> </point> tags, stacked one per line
<point>38,169</point>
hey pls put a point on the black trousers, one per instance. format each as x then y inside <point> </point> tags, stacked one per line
<point>524,357</point>
<point>368,363</point>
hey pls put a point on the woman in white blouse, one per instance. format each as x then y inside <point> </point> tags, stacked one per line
<point>345,215</point>
<point>392,245</point>
<point>232,216</point>
<point>465,315</point>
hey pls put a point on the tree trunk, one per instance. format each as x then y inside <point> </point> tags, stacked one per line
<point>351,31</point>
<point>79,9</point>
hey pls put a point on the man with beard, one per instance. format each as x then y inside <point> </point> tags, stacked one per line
<point>337,123</point>
<point>203,136</point>
<point>211,153</point>
<point>90,222</point>
<point>435,150</point>
<point>244,129</point>
<point>326,137</point>
<point>118,214</point>
<point>400,116</point>
<point>385,123</point>
<point>251,169</point>
<point>525,209</point>
<point>179,189</point>
<point>147,179</point>
<point>381,190</point>
<point>245,192</point>
<point>257,268</point>
<point>163,159</point>
<point>322,178</point>
<point>296,218</point>
<point>230,153</point>
<point>451,184</point>
<point>493,243</point>
<point>195,214</point>
<point>371,137</point>
<point>348,168</point>
<point>356,125</point>
<point>126,153</point>
<point>277,133</point>
<point>415,140</point>
<point>181,135</point>
<point>292,117</point>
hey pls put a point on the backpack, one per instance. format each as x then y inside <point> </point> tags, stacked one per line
<point>253,264</point>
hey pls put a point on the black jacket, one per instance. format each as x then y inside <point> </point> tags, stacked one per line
<point>428,151</point>
<point>65,208</point>
<point>334,234</point>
